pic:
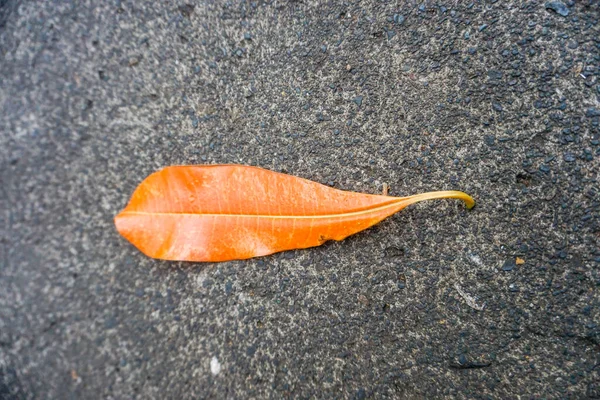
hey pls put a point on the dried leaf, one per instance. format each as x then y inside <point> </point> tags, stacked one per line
<point>228,212</point>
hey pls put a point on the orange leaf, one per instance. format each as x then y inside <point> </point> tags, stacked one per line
<point>228,212</point>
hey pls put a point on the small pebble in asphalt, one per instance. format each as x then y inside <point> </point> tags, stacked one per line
<point>558,7</point>
<point>509,265</point>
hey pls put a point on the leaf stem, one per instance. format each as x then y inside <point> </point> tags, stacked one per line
<point>445,194</point>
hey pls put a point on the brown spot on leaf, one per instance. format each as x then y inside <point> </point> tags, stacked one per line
<point>323,239</point>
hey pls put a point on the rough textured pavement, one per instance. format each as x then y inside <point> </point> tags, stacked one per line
<point>499,99</point>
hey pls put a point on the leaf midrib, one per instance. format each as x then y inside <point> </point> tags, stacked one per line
<point>355,213</point>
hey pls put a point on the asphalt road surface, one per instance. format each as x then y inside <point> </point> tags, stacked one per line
<point>498,99</point>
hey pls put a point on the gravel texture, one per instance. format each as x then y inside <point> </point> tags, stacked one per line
<point>498,99</point>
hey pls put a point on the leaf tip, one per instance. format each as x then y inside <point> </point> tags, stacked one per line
<point>117,221</point>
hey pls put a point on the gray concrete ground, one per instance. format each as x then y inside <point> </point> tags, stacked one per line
<point>499,99</point>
